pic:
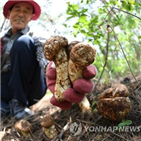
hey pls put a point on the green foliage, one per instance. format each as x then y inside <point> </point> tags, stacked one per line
<point>93,106</point>
<point>121,20</point>
<point>124,123</point>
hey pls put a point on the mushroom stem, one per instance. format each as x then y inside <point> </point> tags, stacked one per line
<point>75,71</point>
<point>62,80</point>
<point>85,105</point>
<point>26,135</point>
<point>48,126</point>
<point>50,132</point>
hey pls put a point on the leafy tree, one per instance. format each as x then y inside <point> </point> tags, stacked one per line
<point>113,27</point>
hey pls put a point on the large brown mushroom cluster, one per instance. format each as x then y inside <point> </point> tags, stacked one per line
<point>114,103</point>
<point>70,60</point>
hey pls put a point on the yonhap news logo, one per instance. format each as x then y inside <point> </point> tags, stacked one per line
<point>112,129</point>
<point>76,128</point>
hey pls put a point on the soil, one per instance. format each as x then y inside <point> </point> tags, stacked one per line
<point>85,123</point>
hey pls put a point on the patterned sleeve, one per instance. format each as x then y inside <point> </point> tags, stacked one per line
<point>38,41</point>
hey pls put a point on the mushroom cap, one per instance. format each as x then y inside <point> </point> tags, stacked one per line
<point>83,54</point>
<point>23,126</point>
<point>71,45</point>
<point>117,90</point>
<point>114,108</point>
<point>52,45</point>
<point>46,121</point>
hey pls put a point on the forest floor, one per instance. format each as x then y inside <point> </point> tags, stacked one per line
<point>88,121</point>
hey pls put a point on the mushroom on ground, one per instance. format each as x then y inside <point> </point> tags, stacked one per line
<point>114,103</point>
<point>24,127</point>
<point>48,126</point>
<point>117,90</point>
<point>54,50</point>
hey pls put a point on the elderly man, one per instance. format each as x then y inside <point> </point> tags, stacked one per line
<point>22,60</point>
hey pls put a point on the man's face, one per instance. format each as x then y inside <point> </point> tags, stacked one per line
<point>20,16</point>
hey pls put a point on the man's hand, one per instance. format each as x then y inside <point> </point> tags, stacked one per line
<point>79,88</point>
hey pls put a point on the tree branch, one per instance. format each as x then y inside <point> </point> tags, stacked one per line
<point>127,13</point>
<point>115,36</point>
<point>106,59</point>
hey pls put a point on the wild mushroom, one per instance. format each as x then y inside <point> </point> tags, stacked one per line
<point>24,127</point>
<point>48,126</point>
<point>114,103</point>
<point>54,50</point>
<point>70,61</point>
<point>81,56</point>
<point>117,90</point>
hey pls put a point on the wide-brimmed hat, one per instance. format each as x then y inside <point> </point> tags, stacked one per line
<point>10,3</point>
